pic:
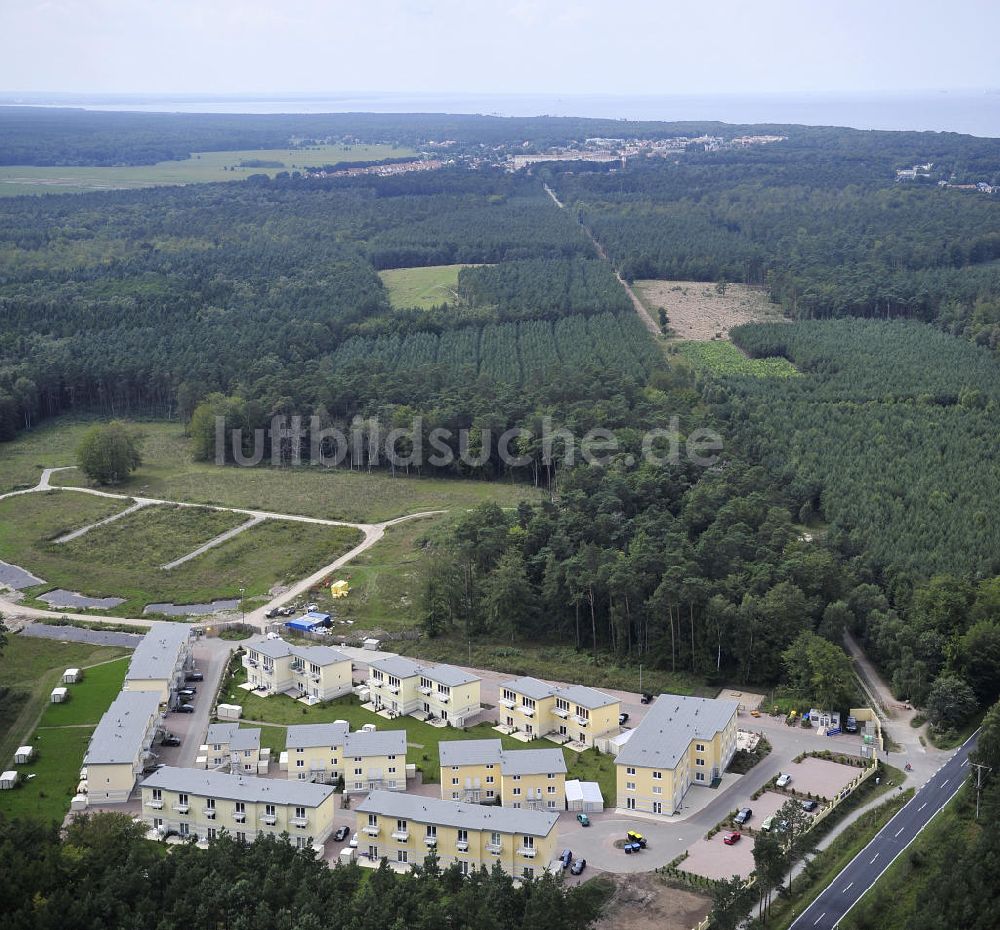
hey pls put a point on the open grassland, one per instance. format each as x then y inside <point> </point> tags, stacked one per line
<point>424,288</point>
<point>168,473</point>
<point>29,669</point>
<point>723,358</point>
<point>123,559</point>
<point>201,167</point>
<point>386,580</point>
<point>422,739</point>
<point>88,699</point>
<point>697,310</point>
<point>53,443</point>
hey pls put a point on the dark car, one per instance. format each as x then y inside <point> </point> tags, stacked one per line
<point>584,820</point>
<point>185,708</point>
<point>622,719</point>
<point>566,857</point>
<point>743,815</point>
<point>851,725</point>
<point>188,692</point>
<point>272,613</point>
<point>341,834</point>
<point>577,867</point>
<point>171,740</point>
<point>194,676</point>
<point>809,806</point>
<point>647,699</point>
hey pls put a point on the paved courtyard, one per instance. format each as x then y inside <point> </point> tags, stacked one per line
<point>714,859</point>
<point>822,777</point>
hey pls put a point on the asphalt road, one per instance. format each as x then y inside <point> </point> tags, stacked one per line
<point>864,869</point>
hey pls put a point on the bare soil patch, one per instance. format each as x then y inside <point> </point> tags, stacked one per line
<point>643,901</point>
<point>696,310</point>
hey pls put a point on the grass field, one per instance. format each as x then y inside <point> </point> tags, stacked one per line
<point>723,358</point>
<point>122,559</point>
<point>29,669</point>
<point>201,167</point>
<point>422,739</point>
<point>169,473</point>
<point>88,699</point>
<point>423,288</point>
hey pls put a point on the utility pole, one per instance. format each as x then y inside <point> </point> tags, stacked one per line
<point>243,613</point>
<point>978,766</point>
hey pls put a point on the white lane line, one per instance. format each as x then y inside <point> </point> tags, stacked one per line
<point>818,919</point>
<point>848,888</point>
<point>900,830</point>
<point>874,858</point>
<point>945,782</point>
<point>965,762</point>
<point>922,806</point>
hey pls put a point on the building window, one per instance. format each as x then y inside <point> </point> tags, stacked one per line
<point>182,799</point>
<point>657,789</point>
<point>212,833</point>
<point>552,789</point>
<point>454,781</point>
<point>300,813</point>
<point>699,761</point>
<point>517,791</point>
<point>699,747</point>
<point>528,872</point>
<point>184,829</point>
<point>630,804</point>
<point>463,867</point>
<point>630,786</point>
<point>157,794</point>
<point>657,774</point>
<point>630,771</point>
<point>300,763</point>
<point>241,837</point>
<point>657,807</point>
<point>373,820</point>
<point>401,855</point>
<point>700,776</point>
<point>241,807</point>
<point>210,804</point>
<point>489,779</point>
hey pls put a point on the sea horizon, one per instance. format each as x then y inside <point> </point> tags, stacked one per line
<point>964,111</point>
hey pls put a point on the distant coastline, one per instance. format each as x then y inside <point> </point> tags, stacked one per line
<point>969,112</point>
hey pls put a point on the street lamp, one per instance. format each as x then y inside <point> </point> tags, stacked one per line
<point>243,613</point>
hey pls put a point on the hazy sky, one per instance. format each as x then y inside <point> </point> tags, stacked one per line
<point>517,46</point>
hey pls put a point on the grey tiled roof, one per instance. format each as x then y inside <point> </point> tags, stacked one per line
<point>119,735</point>
<point>220,733</point>
<point>156,655</point>
<point>375,743</point>
<point>245,738</point>
<point>530,687</point>
<point>309,735</point>
<point>396,666</point>
<point>665,733</point>
<point>532,761</point>
<point>457,814</point>
<point>211,784</point>
<point>590,698</point>
<point>469,751</point>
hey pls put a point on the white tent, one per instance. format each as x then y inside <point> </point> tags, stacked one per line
<point>8,780</point>
<point>584,796</point>
<point>23,755</point>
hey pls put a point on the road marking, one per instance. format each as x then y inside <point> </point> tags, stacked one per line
<point>818,919</point>
<point>848,888</point>
<point>965,762</point>
<point>945,782</point>
<point>874,858</point>
<point>922,806</point>
<point>900,830</point>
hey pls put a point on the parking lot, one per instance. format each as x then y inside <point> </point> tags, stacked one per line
<point>712,858</point>
<point>822,778</point>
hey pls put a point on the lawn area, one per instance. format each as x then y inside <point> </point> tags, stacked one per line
<point>723,358</point>
<point>123,558</point>
<point>168,473</point>
<point>422,739</point>
<point>423,288</point>
<point>199,168</point>
<point>554,663</point>
<point>88,699</point>
<point>29,669</point>
<point>386,580</point>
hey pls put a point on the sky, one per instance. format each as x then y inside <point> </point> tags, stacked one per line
<point>621,47</point>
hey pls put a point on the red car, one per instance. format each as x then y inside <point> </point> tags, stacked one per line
<point>731,839</point>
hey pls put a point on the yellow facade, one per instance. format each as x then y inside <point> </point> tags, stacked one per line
<point>572,713</point>
<point>522,842</point>
<point>323,753</point>
<point>440,692</point>
<point>316,672</point>
<point>195,803</point>
<point>541,790</point>
<point>477,782</point>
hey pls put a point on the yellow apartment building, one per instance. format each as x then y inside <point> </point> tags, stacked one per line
<point>682,741</point>
<point>367,759</point>
<point>316,673</point>
<point>427,692</point>
<point>234,747</point>
<point>160,661</point>
<point>404,828</point>
<point>482,771</point>
<point>119,747</point>
<point>572,713</point>
<point>199,803</point>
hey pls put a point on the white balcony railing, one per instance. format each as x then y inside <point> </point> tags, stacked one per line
<point>393,689</point>
<point>240,817</point>
<point>583,721</point>
<point>210,813</point>
<point>443,698</point>
<point>182,808</point>
<point>269,819</point>
<point>527,711</point>
<point>401,835</point>
<point>372,829</point>
<point>506,702</point>
<point>494,848</point>
<point>424,690</point>
<point>299,822</point>
<point>527,851</point>
<point>156,805</point>
<point>431,840</point>
<point>462,846</point>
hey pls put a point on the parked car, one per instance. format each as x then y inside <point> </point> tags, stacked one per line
<point>743,815</point>
<point>354,842</point>
<point>622,719</point>
<point>584,820</point>
<point>188,692</point>
<point>783,780</point>
<point>647,699</point>
<point>185,708</point>
<point>273,635</point>
<point>577,867</point>
<point>767,824</point>
<point>631,848</point>
<point>732,838</point>
<point>312,608</point>
<point>566,857</point>
<point>170,740</point>
<point>194,676</point>
<point>271,614</point>
<point>634,837</point>
<point>341,834</point>
<point>809,806</point>
<point>851,726</point>
<point>287,611</point>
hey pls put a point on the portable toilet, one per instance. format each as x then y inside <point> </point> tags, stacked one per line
<point>23,755</point>
<point>339,589</point>
<point>59,695</point>
<point>8,780</point>
<point>71,676</point>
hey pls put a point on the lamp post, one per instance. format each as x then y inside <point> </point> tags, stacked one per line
<point>243,613</point>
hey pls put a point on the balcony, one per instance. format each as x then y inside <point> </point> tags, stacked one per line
<point>156,805</point>
<point>430,840</point>
<point>494,848</point>
<point>182,808</point>
<point>210,813</point>
<point>527,711</point>
<point>300,822</point>
<point>559,712</point>
<point>240,817</point>
<point>401,835</point>
<point>506,702</point>
<point>269,819</point>
<point>393,689</point>
<point>425,690</point>
<point>372,829</point>
<point>374,683</point>
<point>583,721</point>
<point>443,698</point>
<point>527,851</point>
<point>462,846</point>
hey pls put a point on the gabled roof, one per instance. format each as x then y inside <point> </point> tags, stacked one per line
<point>119,736</point>
<point>590,698</point>
<point>375,743</point>
<point>220,733</point>
<point>457,814</point>
<point>530,687</point>
<point>396,666</point>
<point>469,751</point>
<point>532,761</point>
<point>209,784</point>
<point>156,655</point>
<point>313,735</point>
<point>448,675</point>
<point>318,655</point>
<point>245,738</point>
<point>666,732</point>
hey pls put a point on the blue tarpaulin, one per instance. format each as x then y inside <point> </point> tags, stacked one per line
<point>309,622</point>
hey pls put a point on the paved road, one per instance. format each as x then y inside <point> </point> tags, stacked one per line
<point>865,869</point>
<point>73,634</point>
